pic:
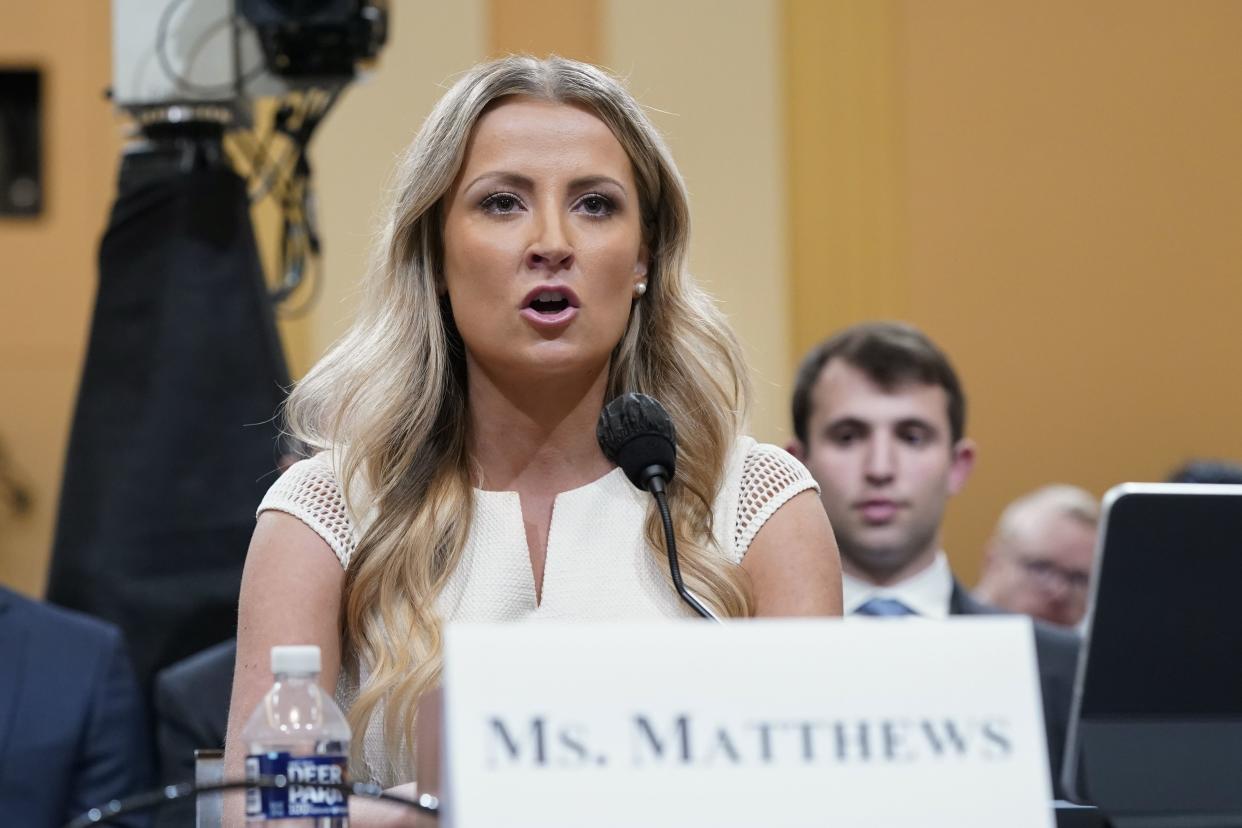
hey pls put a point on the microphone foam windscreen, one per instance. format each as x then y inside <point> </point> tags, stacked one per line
<point>635,432</point>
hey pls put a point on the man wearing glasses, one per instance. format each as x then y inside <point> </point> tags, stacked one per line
<point>1039,559</point>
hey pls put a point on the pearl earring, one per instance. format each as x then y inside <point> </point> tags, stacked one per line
<point>640,288</point>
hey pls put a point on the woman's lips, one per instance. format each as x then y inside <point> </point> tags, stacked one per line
<point>548,321</point>
<point>550,292</point>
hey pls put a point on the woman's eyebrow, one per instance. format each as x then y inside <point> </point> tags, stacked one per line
<point>517,180</point>
<point>594,181</point>
<point>511,179</point>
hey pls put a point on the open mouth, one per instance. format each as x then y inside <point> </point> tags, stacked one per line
<point>549,302</point>
<point>550,307</point>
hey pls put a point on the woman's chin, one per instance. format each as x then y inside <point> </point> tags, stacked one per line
<point>548,361</point>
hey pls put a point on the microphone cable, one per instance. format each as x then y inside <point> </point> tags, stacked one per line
<point>105,814</point>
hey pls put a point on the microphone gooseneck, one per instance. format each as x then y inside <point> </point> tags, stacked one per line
<point>138,803</point>
<point>636,433</point>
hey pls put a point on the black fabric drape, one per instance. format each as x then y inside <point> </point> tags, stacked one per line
<point>174,438</point>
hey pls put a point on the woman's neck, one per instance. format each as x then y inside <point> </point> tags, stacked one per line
<point>535,436</point>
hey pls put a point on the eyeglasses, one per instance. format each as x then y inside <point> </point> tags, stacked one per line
<point>1052,576</point>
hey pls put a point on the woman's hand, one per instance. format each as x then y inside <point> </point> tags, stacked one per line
<point>365,812</point>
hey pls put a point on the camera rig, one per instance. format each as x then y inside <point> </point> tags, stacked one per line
<point>189,72</point>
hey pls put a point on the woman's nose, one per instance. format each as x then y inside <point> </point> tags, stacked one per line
<point>550,250</point>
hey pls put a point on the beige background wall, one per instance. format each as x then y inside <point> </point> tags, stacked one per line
<point>710,71</point>
<point>1075,203</point>
<point>47,264</point>
<point>1066,200</point>
<point>1051,188</point>
<point>844,171</point>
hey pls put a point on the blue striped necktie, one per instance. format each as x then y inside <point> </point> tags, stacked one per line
<point>883,608</point>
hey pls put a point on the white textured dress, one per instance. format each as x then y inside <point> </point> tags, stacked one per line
<point>598,565</point>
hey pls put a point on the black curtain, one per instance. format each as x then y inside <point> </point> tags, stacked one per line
<point>174,438</point>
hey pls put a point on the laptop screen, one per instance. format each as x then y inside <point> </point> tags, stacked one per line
<point>1156,726</point>
<point>1165,637</point>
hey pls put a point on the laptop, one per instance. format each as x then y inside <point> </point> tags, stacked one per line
<point>1155,733</point>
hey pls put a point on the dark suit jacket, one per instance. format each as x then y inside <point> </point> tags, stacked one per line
<point>1057,653</point>
<point>192,712</point>
<point>72,734</point>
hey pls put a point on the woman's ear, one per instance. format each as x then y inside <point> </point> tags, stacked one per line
<point>642,263</point>
<point>640,273</point>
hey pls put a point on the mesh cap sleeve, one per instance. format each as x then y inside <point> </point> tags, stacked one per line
<point>770,477</point>
<point>309,491</point>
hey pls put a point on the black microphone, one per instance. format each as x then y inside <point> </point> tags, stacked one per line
<point>636,433</point>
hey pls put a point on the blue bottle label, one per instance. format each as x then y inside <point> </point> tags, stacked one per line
<point>307,792</point>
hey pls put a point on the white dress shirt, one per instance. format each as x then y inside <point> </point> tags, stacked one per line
<point>927,592</point>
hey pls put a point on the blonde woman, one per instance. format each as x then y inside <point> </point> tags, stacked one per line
<point>533,267</point>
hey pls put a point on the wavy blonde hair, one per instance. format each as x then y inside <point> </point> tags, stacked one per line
<point>393,391</point>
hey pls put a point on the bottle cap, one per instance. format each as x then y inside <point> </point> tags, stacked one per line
<point>302,658</point>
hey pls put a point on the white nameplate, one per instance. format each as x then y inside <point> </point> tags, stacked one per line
<point>773,723</point>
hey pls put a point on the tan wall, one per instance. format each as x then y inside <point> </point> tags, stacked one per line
<point>1067,225</point>
<point>569,28</point>
<point>1075,200</point>
<point>47,264</point>
<point>710,75</point>
<point>843,111</point>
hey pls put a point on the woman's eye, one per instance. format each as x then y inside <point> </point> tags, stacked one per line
<point>595,205</point>
<point>501,203</point>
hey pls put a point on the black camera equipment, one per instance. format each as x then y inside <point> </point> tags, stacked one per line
<point>316,38</point>
<point>175,434</point>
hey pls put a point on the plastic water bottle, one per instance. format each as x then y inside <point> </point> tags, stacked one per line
<point>297,732</point>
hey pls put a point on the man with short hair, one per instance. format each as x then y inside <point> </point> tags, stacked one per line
<point>880,417</point>
<point>1039,559</point>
